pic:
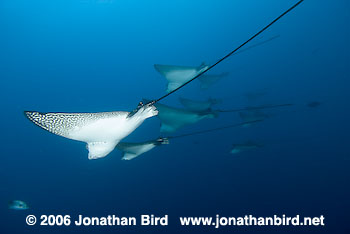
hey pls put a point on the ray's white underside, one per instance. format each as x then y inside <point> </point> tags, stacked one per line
<point>101,131</point>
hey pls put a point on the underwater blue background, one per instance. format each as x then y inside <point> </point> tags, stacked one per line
<point>95,55</point>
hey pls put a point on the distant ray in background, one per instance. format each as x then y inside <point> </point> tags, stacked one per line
<point>249,145</point>
<point>18,205</point>
<point>199,106</point>
<point>313,104</point>
<point>133,150</point>
<point>101,131</point>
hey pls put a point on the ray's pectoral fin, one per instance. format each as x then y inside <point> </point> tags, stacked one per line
<point>57,123</point>
<point>99,149</point>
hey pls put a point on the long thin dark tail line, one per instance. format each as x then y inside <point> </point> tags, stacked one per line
<point>213,129</point>
<point>254,108</point>
<point>229,54</point>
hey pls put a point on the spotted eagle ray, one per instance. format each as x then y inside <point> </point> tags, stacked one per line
<point>174,118</point>
<point>133,150</point>
<point>101,131</point>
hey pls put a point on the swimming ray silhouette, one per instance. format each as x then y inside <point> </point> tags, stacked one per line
<point>133,150</point>
<point>100,131</point>
<point>174,118</point>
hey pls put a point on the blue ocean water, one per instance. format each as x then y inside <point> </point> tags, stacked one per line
<point>98,55</point>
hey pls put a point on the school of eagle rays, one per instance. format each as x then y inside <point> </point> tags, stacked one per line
<point>103,131</point>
